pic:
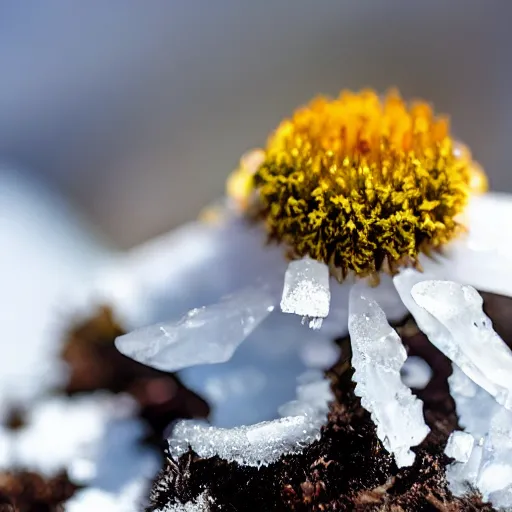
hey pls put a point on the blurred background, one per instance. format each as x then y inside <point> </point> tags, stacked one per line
<point>136,111</point>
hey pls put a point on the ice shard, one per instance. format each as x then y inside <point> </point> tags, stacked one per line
<point>377,357</point>
<point>204,335</point>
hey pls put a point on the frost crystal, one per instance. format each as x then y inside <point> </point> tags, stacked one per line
<point>206,335</point>
<point>459,446</point>
<point>377,357</point>
<point>265,442</point>
<point>306,290</point>
<point>451,316</point>
<point>201,504</point>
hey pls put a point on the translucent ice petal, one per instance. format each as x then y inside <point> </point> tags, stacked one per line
<point>489,468</point>
<point>206,335</point>
<point>261,443</point>
<point>306,289</point>
<point>465,334</point>
<point>335,325</point>
<point>378,356</point>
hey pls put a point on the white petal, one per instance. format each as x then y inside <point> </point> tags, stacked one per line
<point>199,263</point>
<point>482,257</point>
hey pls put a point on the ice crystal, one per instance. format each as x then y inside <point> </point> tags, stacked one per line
<point>495,474</point>
<point>264,442</point>
<point>377,357</point>
<point>204,335</point>
<point>488,467</point>
<point>462,477</point>
<point>459,446</point>
<point>306,290</point>
<point>451,315</point>
<point>202,503</point>
<point>489,427</point>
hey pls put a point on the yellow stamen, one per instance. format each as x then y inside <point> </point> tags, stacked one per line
<point>362,183</point>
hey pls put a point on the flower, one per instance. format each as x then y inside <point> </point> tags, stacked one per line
<point>354,188</point>
<point>209,259</point>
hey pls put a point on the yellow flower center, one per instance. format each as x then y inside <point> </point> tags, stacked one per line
<point>363,183</point>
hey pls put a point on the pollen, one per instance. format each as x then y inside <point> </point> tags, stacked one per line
<point>362,182</point>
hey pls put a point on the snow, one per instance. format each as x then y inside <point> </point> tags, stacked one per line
<point>48,259</point>
<point>48,256</point>
<point>128,499</point>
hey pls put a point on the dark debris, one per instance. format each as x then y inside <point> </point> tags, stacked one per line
<point>26,491</point>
